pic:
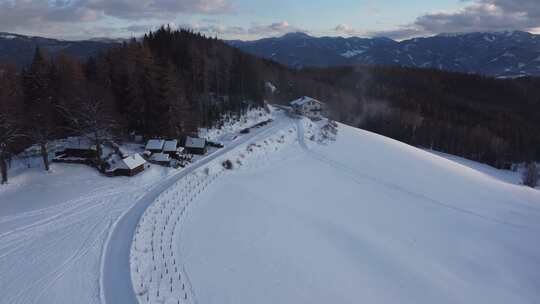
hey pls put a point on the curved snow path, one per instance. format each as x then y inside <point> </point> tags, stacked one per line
<point>46,251</point>
<point>115,281</point>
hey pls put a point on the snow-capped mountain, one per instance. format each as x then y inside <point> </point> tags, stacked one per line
<point>500,54</point>
<point>19,49</point>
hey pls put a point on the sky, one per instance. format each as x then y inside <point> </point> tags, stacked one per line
<point>254,19</point>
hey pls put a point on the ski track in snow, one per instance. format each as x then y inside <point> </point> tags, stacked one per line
<point>359,177</point>
<point>126,230</point>
<point>263,236</point>
<point>35,256</point>
<point>53,228</point>
<point>148,264</point>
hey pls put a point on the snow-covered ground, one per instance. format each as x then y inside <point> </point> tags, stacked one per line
<point>360,219</point>
<point>157,267</point>
<point>233,124</point>
<point>363,220</point>
<point>513,177</point>
<point>54,226</point>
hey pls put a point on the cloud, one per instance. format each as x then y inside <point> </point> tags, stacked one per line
<point>211,27</point>
<point>479,15</point>
<point>344,29</point>
<point>399,34</point>
<point>218,29</point>
<point>51,16</point>
<point>136,9</point>
<point>277,28</point>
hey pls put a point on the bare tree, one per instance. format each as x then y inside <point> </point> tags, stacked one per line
<point>39,110</point>
<point>9,133</point>
<point>42,131</point>
<point>91,120</point>
<point>530,176</point>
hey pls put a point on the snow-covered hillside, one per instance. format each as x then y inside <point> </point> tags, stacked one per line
<point>362,220</point>
<point>53,228</point>
<point>298,219</point>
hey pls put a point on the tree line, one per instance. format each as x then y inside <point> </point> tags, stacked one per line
<point>494,121</point>
<point>172,82</point>
<point>167,84</point>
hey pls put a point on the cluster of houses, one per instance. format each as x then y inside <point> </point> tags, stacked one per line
<point>157,151</point>
<point>161,151</point>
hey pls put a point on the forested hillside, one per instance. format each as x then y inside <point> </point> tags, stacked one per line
<point>172,82</point>
<point>480,118</point>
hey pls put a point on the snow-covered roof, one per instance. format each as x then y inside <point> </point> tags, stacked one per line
<point>132,162</point>
<point>155,144</point>
<point>160,157</point>
<point>170,146</point>
<point>304,100</point>
<point>193,142</point>
<point>78,143</point>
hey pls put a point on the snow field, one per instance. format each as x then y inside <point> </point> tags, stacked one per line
<point>364,219</point>
<point>157,268</point>
<point>53,227</point>
<point>230,126</point>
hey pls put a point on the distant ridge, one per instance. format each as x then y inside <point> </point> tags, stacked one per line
<point>19,49</point>
<point>500,54</point>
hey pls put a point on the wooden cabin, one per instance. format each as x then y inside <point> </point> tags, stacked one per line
<point>130,166</point>
<point>79,148</point>
<point>170,147</point>
<point>160,159</point>
<point>195,145</point>
<point>155,145</point>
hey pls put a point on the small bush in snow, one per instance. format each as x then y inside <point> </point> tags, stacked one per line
<point>530,176</point>
<point>228,164</point>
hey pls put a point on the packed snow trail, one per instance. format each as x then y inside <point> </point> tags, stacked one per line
<point>361,177</point>
<point>51,255</point>
<point>54,226</point>
<point>356,221</point>
<point>157,266</point>
<point>116,280</point>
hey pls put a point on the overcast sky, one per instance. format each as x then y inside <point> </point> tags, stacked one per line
<point>253,19</point>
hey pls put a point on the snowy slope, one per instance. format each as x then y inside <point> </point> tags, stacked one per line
<point>362,220</point>
<point>53,227</point>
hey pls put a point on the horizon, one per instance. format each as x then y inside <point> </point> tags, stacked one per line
<point>97,38</point>
<point>246,20</point>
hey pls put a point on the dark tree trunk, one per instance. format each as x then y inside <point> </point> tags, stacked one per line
<point>45,156</point>
<point>97,142</point>
<point>3,168</point>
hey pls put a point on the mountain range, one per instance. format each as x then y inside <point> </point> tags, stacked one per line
<point>499,54</point>
<point>19,49</point>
